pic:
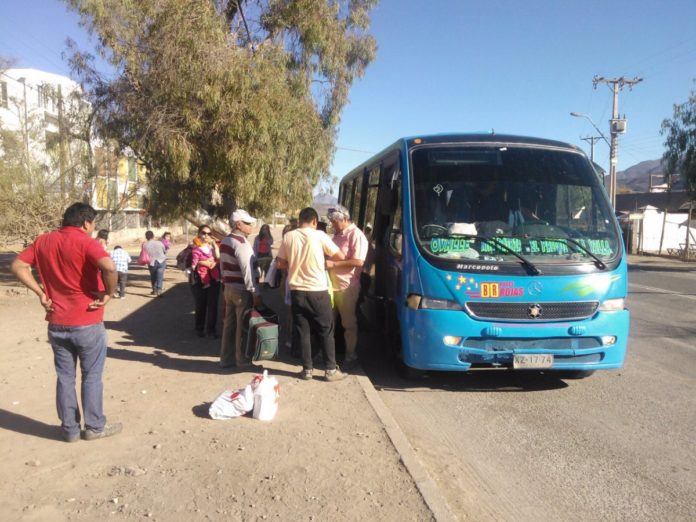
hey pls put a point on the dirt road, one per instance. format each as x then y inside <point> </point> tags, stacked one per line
<point>324,457</point>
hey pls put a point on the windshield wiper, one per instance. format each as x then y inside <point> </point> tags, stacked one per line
<point>597,261</point>
<point>494,241</point>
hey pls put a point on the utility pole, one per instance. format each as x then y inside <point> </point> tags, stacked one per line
<point>591,140</point>
<point>616,125</point>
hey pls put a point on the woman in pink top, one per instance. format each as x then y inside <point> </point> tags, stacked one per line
<point>205,281</point>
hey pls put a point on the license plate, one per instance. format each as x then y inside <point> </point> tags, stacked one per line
<point>532,360</point>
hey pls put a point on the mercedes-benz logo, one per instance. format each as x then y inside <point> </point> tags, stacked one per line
<point>534,311</point>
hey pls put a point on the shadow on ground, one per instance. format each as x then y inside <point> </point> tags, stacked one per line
<point>688,267</point>
<point>28,426</point>
<point>161,331</point>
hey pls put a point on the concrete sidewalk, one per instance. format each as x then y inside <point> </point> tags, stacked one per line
<point>655,262</point>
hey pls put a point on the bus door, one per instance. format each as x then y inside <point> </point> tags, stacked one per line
<point>384,258</point>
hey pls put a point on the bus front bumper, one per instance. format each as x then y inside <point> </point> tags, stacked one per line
<point>452,341</point>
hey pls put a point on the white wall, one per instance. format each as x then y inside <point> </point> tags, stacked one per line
<point>652,230</point>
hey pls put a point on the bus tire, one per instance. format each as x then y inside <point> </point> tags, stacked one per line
<point>407,373</point>
<point>575,374</point>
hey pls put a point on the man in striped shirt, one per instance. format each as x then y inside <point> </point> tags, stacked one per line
<point>240,277</point>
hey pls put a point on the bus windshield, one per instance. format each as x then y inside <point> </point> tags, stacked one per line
<point>509,202</point>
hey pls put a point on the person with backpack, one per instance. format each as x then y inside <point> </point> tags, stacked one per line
<point>241,287</point>
<point>263,245</point>
<point>205,281</point>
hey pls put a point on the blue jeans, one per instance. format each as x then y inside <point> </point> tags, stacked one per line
<point>157,275</point>
<point>88,343</point>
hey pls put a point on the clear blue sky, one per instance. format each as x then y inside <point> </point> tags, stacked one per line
<point>515,66</point>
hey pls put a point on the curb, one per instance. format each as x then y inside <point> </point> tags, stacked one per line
<point>426,486</point>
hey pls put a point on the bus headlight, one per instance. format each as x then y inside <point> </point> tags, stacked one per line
<point>451,340</point>
<point>612,305</point>
<point>416,302</point>
<point>608,340</point>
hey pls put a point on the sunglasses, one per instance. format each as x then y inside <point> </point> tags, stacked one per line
<point>203,233</point>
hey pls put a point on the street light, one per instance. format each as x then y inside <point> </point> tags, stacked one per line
<point>581,115</point>
<point>612,171</point>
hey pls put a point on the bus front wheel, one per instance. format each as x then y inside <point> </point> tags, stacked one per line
<point>408,373</point>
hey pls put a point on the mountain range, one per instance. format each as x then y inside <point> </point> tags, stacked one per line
<point>637,178</point>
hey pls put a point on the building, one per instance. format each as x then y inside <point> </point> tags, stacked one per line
<point>47,112</point>
<point>655,222</point>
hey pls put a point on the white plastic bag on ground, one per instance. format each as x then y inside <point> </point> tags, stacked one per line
<point>266,397</point>
<point>232,403</point>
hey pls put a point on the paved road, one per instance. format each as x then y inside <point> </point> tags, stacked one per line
<point>616,446</point>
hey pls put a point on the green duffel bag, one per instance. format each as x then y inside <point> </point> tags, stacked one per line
<point>251,318</point>
<point>262,342</point>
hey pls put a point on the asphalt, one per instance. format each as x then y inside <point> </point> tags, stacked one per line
<point>433,497</point>
<point>426,486</point>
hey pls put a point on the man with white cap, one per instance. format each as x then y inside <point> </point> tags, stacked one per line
<point>241,291</point>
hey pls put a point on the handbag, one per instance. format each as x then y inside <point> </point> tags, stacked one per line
<point>143,258</point>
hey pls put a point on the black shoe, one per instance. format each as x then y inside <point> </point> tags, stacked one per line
<point>200,333</point>
<point>305,375</point>
<point>212,335</point>
<point>349,365</point>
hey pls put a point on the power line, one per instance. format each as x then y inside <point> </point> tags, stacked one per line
<point>356,150</point>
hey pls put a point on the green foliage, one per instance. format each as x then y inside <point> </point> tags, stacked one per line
<point>32,200</point>
<point>42,172</point>
<point>680,153</point>
<point>226,107</point>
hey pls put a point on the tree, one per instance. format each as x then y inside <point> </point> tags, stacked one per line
<point>227,102</point>
<point>680,153</point>
<point>44,165</point>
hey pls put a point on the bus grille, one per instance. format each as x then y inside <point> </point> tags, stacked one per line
<point>539,311</point>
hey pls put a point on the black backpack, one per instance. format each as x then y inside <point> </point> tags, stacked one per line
<point>184,258</point>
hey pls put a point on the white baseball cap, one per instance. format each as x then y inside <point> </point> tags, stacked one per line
<point>242,215</point>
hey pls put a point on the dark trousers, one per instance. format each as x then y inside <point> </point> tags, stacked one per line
<point>122,282</point>
<point>88,344</point>
<point>312,314</point>
<point>206,300</point>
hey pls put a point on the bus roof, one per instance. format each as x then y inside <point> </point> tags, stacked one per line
<point>465,138</point>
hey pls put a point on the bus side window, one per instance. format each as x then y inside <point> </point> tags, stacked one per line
<point>357,200</point>
<point>369,221</point>
<point>395,232</point>
<point>347,193</point>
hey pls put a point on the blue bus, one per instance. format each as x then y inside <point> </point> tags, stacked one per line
<point>491,251</point>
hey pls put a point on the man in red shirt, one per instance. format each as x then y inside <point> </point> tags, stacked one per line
<point>69,263</point>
